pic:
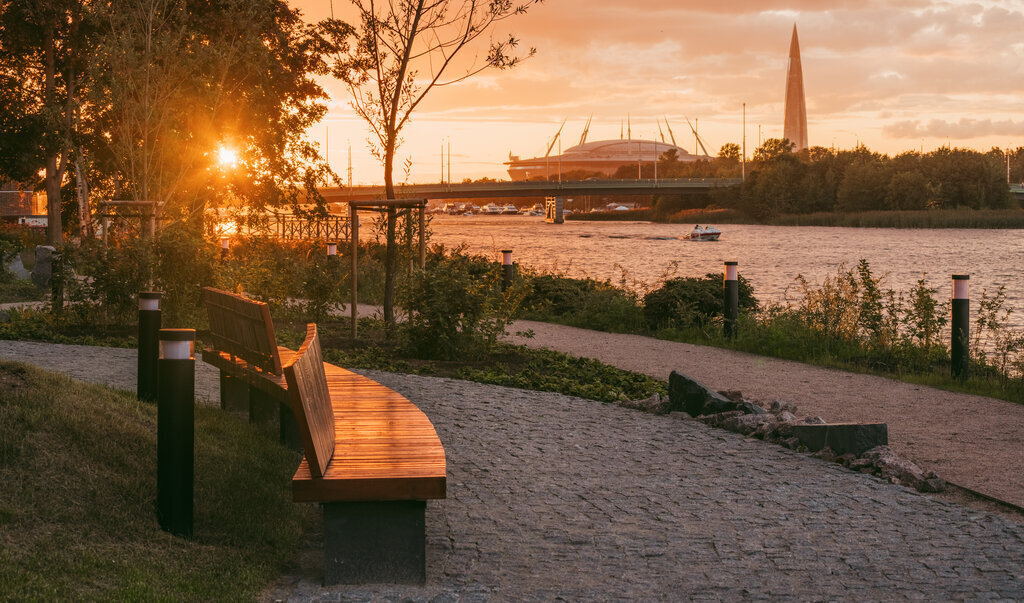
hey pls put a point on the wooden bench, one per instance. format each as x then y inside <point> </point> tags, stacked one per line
<point>242,345</point>
<point>372,459</point>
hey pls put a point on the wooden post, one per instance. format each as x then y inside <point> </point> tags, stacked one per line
<point>353,214</point>
<point>423,238</point>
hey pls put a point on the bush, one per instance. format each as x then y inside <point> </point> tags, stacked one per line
<point>584,303</point>
<point>686,302</point>
<point>456,307</point>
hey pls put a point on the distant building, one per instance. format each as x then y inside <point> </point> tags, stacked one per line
<point>795,128</point>
<point>602,157</point>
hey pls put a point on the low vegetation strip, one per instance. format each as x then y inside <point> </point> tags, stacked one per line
<point>78,512</point>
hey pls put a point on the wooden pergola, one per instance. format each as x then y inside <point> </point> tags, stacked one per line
<point>380,206</point>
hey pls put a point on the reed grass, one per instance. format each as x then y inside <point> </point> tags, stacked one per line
<point>938,218</point>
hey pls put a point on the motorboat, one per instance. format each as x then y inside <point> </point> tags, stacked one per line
<point>510,210</point>
<point>490,210</point>
<point>706,233</point>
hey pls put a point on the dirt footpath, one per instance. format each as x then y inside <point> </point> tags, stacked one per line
<point>972,441</point>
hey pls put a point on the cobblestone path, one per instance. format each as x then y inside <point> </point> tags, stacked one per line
<point>554,497</point>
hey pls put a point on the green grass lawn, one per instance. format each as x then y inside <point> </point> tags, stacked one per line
<point>77,502</point>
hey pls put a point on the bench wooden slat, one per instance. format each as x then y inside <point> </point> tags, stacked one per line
<point>242,327</point>
<point>311,403</point>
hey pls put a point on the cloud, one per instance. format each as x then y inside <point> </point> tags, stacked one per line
<point>965,128</point>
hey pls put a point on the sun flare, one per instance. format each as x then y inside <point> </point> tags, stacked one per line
<point>227,157</point>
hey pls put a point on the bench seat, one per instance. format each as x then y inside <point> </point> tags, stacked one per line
<point>385,448</point>
<point>372,460</point>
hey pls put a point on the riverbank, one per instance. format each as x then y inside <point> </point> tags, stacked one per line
<point>935,218</point>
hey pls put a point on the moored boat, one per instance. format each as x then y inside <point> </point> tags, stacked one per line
<point>510,210</point>
<point>707,233</point>
<point>490,209</point>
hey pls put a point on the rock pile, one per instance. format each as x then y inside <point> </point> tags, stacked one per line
<point>867,447</point>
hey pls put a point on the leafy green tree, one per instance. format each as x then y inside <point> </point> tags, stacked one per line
<point>864,187</point>
<point>773,148</point>
<point>730,151</point>
<point>405,50</point>
<point>908,190</point>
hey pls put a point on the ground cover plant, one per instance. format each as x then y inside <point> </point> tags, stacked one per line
<point>78,513</point>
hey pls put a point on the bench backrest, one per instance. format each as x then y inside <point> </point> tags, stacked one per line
<point>311,402</point>
<point>242,327</point>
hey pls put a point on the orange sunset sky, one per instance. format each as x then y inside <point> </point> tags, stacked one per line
<point>892,74</point>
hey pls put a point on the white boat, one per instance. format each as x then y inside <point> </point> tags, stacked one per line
<point>510,210</point>
<point>490,209</point>
<point>707,233</point>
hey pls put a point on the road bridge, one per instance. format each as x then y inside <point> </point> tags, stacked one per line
<point>565,188</point>
<point>1017,190</point>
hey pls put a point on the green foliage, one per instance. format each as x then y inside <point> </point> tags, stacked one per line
<point>684,302</point>
<point>584,303</point>
<point>18,290</point>
<point>77,464</point>
<point>781,183</point>
<point>111,279</point>
<point>455,307</point>
<point>551,371</point>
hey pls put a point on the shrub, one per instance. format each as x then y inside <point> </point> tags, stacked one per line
<point>456,307</point>
<point>685,302</point>
<point>584,303</point>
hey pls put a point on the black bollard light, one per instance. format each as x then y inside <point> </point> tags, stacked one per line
<point>961,324</point>
<point>507,270</point>
<point>223,247</point>
<point>175,437</point>
<point>731,287</point>
<point>149,346</point>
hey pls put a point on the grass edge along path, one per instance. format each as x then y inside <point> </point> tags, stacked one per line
<point>78,511</point>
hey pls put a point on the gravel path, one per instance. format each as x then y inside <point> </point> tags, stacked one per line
<point>972,441</point>
<point>554,497</point>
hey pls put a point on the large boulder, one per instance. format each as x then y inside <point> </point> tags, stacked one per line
<point>694,398</point>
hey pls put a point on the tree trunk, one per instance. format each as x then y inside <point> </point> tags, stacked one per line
<point>54,228</point>
<point>390,252</point>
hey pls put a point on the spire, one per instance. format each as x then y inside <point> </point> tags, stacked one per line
<point>795,127</point>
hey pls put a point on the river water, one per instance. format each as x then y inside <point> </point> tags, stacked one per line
<point>640,254</point>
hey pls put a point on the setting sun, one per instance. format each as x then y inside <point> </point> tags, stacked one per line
<point>227,157</point>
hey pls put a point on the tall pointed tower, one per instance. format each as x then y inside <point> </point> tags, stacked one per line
<point>795,128</point>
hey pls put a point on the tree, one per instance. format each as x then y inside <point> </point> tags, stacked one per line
<point>730,151</point>
<point>773,148</point>
<point>43,46</point>
<point>405,50</point>
<point>130,99</point>
<point>179,80</point>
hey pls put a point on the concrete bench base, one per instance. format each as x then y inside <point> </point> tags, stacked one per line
<point>843,438</point>
<point>375,542</point>
<point>234,394</point>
